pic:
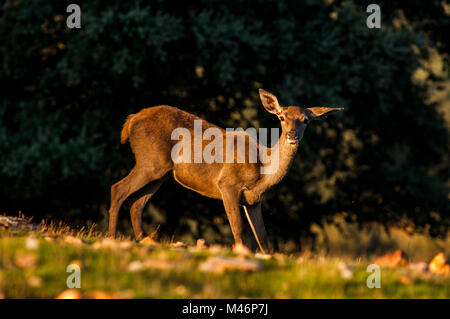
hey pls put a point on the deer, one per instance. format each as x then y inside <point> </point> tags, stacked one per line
<point>236,183</point>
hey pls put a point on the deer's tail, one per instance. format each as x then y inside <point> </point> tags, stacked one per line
<point>126,129</point>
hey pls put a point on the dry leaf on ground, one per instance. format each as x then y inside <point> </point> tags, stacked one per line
<point>26,261</point>
<point>32,243</point>
<point>419,267</point>
<point>241,250</point>
<point>178,244</point>
<point>73,240</point>
<point>395,259</point>
<point>215,249</point>
<point>153,264</point>
<point>346,270</point>
<point>439,265</point>
<point>222,264</point>
<point>35,281</point>
<point>263,256</point>
<point>202,244</point>
<point>148,241</point>
<point>109,243</point>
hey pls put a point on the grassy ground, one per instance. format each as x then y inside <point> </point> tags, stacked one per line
<point>33,265</point>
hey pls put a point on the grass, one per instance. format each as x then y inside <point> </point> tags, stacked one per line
<point>39,271</point>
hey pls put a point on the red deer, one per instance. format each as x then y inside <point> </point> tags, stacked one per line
<point>236,182</point>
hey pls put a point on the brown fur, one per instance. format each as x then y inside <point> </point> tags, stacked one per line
<point>149,132</point>
<point>126,129</point>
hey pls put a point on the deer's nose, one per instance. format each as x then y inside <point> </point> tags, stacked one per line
<point>292,135</point>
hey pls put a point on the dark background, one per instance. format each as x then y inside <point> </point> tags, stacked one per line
<point>66,93</point>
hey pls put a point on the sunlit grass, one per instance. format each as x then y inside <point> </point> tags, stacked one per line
<point>304,275</point>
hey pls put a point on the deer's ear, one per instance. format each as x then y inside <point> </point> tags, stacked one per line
<point>319,111</point>
<point>270,102</point>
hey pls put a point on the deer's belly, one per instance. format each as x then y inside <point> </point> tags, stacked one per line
<point>200,178</point>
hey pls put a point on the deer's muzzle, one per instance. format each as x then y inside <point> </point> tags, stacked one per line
<point>292,137</point>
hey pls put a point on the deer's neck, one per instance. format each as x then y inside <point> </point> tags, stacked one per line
<point>281,156</point>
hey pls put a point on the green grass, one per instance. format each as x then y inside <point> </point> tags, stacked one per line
<point>106,270</point>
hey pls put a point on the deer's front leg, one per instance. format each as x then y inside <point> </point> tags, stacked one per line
<point>230,199</point>
<point>256,222</point>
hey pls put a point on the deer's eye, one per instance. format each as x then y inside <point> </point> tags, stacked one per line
<point>282,119</point>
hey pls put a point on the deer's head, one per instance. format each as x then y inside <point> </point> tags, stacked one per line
<point>293,119</point>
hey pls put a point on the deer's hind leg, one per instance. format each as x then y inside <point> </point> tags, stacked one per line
<point>139,200</point>
<point>120,191</point>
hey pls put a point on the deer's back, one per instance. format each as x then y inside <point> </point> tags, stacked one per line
<point>150,138</point>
